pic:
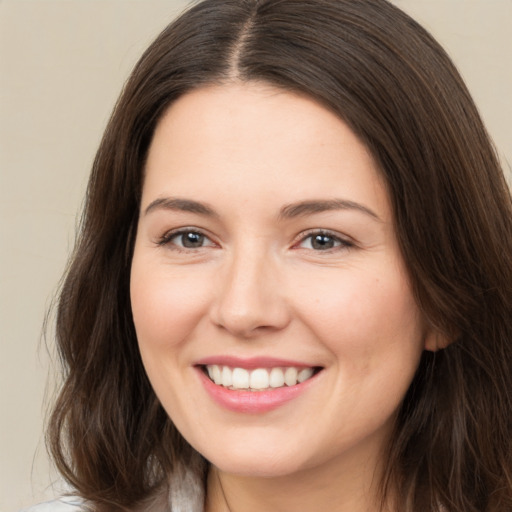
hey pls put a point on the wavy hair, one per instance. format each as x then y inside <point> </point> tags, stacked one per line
<point>387,78</point>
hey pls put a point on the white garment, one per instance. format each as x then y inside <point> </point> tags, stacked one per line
<point>186,494</point>
<point>66,504</point>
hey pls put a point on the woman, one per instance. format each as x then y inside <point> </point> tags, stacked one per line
<point>291,288</point>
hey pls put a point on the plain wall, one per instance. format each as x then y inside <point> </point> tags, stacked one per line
<point>62,65</point>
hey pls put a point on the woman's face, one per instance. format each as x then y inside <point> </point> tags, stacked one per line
<point>265,256</point>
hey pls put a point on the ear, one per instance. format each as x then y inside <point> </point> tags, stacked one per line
<point>436,340</point>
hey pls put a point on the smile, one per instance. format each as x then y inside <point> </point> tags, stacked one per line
<point>258,379</point>
<point>256,385</point>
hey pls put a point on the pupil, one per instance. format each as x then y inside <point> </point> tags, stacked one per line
<point>323,242</point>
<point>192,240</point>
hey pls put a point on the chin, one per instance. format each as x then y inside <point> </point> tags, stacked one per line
<point>257,464</point>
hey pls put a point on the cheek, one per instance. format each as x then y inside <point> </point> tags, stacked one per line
<point>374,332</point>
<point>365,317</point>
<point>166,305</point>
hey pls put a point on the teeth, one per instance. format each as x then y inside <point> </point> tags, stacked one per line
<point>290,376</point>
<point>276,378</point>
<point>227,377</point>
<point>305,374</point>
<point>240,378</point>
<point>258,379</point>
<point>216,375</point>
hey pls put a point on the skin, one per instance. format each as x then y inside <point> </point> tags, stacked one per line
<point>257,286</point>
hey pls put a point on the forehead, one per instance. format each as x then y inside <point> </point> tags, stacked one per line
<point>257,139</point>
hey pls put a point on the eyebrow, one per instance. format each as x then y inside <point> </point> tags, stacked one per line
<point>179,204</point>
<point>290,211</point>
<point>304,208</point>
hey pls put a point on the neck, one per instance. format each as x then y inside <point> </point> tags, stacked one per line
<point>333,488</point>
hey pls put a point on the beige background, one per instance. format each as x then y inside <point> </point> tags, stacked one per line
<point>62,65</point>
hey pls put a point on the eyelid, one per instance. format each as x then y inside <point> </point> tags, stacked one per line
<point>345,241</point>
<point>165,239</point>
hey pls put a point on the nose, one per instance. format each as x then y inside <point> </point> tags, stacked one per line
<point>250,299</point>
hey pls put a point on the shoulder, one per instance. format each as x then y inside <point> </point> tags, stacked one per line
<point>66,504</point>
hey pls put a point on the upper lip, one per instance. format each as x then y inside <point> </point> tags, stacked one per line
<point>252,362</point>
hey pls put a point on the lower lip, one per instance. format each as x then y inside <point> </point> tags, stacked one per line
<point>253,402</point>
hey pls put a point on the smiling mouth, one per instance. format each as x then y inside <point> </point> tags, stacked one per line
<point>258,379</point>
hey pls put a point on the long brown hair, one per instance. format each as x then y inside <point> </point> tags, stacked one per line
<point>399,92</point>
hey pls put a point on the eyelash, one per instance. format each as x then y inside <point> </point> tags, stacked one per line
<point>166,239</point>
<point>339,242</point>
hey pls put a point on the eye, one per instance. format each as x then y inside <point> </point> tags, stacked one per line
<point>186,239</point>
<point>323,241</point>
